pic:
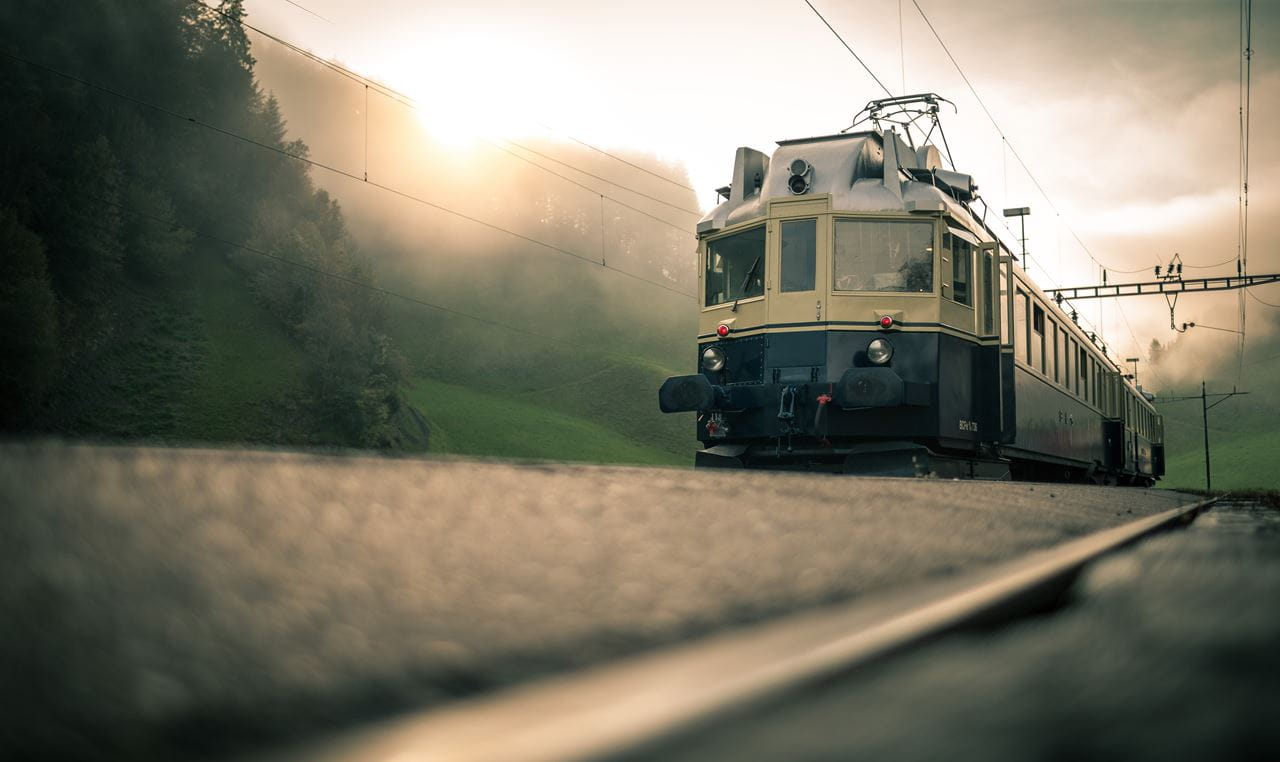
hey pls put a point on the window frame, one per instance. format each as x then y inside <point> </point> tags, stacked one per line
<point>837,218</point>
<point>708,243</point>
<point>782,258</point>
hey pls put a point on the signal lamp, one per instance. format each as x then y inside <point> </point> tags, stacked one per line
<point>801,171</point>
<point>879,351</point>
<point>886,321</point>
<point>722,330</point>
<point>713,359</point>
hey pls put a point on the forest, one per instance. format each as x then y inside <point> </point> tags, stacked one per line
<point>175,272</point>
<point>99,198</point>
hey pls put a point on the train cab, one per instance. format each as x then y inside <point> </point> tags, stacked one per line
<point>858,315</point>
<point>850,313</point>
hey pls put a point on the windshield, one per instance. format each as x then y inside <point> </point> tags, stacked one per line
<point>735,267</point>
<point>881,255</point>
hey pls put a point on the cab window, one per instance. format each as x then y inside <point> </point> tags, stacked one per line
<point>1021,339</point>
<point>799,254</point>
<point>883,255</point>
<point>735,267</point>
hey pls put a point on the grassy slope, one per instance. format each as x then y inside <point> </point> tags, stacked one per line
<point>197,361</point>
<point>1239,460</point>
<point>491,392</point>
<point>479,421</point>
<point>249,364</point>
<point>1243,439</point>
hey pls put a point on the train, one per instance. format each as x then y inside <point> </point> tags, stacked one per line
<point>858,315</point>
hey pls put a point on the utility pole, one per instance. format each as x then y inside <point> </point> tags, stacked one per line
<point>1204,411</point>
<point>1205,407</point>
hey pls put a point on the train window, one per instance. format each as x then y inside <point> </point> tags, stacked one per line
<point>1020,338</point>
<point>881,255</point>
<point>988,293</point>
<point>1037,337</point>
<point>1006,283</point>
<point>1068,355</point>
<point>1082,379</point>
<point>961,268</point>
<point>1051,365</point>
<point>735,267</point>
<point>799,254</point>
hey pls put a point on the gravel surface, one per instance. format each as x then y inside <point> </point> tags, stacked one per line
<point>173,603</point>
<point>1169,651</point>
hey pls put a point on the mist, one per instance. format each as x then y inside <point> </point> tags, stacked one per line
<point>621,261</point>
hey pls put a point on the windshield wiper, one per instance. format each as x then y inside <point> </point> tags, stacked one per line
<point>750,272</point>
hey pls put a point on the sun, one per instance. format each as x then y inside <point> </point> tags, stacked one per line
<point>470,86</point>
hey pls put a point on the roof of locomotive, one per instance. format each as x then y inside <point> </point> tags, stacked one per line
<point>849,168</point>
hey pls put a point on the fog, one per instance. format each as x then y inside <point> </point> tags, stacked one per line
<point>1126,115</point>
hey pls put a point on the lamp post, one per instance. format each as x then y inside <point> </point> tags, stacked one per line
<point>1021,213</point>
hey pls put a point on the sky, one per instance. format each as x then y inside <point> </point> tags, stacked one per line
<point>1124,113</point>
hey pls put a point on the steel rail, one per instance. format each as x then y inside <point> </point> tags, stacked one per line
<point>641,700</point>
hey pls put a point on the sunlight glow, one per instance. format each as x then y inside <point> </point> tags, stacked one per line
<point>476,84</point>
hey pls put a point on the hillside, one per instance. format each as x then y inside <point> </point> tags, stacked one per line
<point>1243,439</point>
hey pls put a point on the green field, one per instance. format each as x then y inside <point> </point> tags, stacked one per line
<point>485,422</point>
<point>494,393</point>
<point>1240,461</point>
<point>203,362</point>
<point>198,360</point>
<point>1244,441</point>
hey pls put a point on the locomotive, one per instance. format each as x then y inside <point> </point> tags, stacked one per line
<point>858,315</point>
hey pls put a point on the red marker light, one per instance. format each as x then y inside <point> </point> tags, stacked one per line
<point>722,330</point>
<point>886,321</point>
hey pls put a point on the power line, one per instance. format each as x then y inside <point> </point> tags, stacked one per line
<point>174,224</point>
<point>1245,89</point>
<point>308,10</point>
<point>668,223</point>
<point>411,103</point>
<point>1004,138</point>
<point>337,171</point>
<point>1210,267</point>
<point>615,157</point>
<point>1265,359</point>
<point>588,174</point>
<point>1145,355</point>
<point>846,47</point>
<point>1259,300</point>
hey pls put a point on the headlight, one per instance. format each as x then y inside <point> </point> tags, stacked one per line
<point>879,351</point>
<point>713,359</point>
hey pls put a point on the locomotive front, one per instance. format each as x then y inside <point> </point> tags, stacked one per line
<point>840,281</point>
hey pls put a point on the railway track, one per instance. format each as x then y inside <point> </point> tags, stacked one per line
<point>627,705</point>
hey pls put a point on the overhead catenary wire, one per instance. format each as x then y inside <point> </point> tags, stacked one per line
<point>597,177</point>
<point>409,102</point>
<point>1003,137</point>
<point>856,57</point>
<point>1039,187</point>
<point>176,225</point>
<point>617,158</point>
<point>1259,300</point>
<point>335,170</point>
<point>1244,94</point>
<point>308,10</point>
<point>1142,352</point>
